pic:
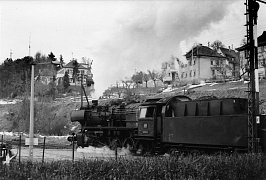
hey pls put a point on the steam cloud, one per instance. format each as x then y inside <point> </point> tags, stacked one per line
<point>148,33</point>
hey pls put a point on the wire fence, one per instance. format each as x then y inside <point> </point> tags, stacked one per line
<point>44,151</point>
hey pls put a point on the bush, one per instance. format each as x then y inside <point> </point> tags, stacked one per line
<point>50,118</point>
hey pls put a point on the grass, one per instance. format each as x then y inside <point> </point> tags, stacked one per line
<point>236,166</point>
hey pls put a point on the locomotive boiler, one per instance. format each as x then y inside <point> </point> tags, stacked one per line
<point>169,124</point>
<point>108,125</point>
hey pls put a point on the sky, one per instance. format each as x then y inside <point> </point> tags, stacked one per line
<point>121,36</point>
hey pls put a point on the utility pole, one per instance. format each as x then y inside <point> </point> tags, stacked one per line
<point>31,130</point>
<point>31,133</point>
<point>252,8</point>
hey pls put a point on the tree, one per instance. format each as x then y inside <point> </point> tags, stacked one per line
<point>66,83</point>
<point>137,78</point>
<point>146,78</point>
<point>153,75</point>
<point>222,68</point>
<point>61,60</point>
<point>127,83</point>
<point>161,75</point>
<point>40,58</point>
<point>75,70</point>
<point>51,57</point>
<point>108,92</point>
<point>52,88</point>
<point>217,44</point>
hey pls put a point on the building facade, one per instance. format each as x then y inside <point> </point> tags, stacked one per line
<point>205,64</point>
<point>84,73</point>
<point>261,57</point>
<point>170,70</point>
<point>47,71</point>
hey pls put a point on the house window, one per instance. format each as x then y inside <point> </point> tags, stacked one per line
<point>194,62</point>
<point>213,72</point>
<point>190,63</point>
<point>190,73</point>
<point>194,73</point>
<point>211,62</point>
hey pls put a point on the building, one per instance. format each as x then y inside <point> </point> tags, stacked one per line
<point>47,71</point>
<point>84,71</point>
<point>261,57</point>
<point>233,61</point>
<point>205,64</point>
<point>170,71</point>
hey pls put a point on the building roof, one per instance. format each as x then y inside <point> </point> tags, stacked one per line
<point>229,52</point>
<point>71,65</point>
<point>56,62</point>
<point>261,42</point>
<point>232,55</point>
<point>203,51</point>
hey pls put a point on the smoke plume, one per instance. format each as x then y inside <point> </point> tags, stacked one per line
<point>147,33</point>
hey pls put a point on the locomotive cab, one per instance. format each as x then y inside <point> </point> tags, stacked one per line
<point>146,121</point>
<point>150,123</point>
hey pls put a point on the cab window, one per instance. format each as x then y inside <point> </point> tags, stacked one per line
<point>146,112</point>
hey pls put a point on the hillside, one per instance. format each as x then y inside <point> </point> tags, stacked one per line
<point>54,118</point>
<point>221,90</point>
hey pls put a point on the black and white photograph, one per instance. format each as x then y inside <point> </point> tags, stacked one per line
<point>132,89</point>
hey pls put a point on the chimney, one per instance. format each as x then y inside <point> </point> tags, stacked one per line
<point>229,47</point>
<point>208,44</point>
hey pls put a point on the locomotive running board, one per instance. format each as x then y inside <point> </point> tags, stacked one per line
<point>109,128</point>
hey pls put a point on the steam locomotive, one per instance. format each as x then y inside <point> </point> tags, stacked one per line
<point>169,124</point>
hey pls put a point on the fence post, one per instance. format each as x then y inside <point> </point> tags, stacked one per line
<point>73,147</point>
<point>19,149</point>
<point>43,149</point>
<point>2,142</point>
<point>116,149</point>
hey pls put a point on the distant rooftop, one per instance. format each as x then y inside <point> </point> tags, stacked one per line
<point>71,65</point>
<point>261,42</point>
<point>203,51</point>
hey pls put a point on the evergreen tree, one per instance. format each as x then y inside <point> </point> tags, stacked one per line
<point>66,81</point>
<point>75,70</point>
<point>61,60</point>
<point>51,56</point>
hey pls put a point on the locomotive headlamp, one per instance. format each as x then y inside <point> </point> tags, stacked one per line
<point>145,125</point>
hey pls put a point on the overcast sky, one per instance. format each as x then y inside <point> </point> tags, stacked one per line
<point>120,36</point>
